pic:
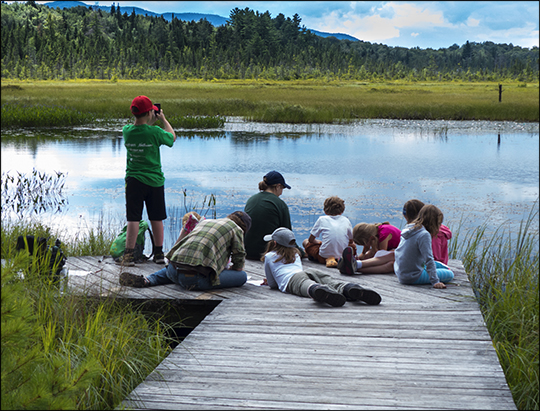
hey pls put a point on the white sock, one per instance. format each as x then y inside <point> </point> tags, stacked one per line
<point>358,264</point>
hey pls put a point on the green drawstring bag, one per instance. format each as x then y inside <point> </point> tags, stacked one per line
<point>119,244</point>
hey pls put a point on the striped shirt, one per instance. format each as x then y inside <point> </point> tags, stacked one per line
<point>210,244</point>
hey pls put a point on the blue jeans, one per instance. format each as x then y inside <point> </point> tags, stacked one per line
<point>444,274</point>
<point>196,282</point>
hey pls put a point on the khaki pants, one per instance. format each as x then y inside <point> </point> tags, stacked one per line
<point>302,280</point>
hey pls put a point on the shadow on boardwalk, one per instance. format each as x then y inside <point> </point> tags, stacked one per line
<point>421,348</point>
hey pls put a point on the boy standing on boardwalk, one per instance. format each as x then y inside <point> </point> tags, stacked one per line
<point>144,177</point>
<point>335,233</point>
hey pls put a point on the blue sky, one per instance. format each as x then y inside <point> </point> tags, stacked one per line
<point>424,24</point>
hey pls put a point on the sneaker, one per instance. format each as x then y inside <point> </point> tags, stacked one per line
<point>331,262</point>
<point>133,280</point>
<point>159,258</point>
<point>323,294</point>
<point>353,292</point>
<point>347,264</point>
<point>126,260</point>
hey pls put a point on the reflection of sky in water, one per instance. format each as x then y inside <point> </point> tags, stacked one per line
<point>374,166</point>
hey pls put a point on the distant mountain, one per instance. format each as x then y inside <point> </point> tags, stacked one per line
<point>213,19</point>
<point>339,36</point>
<point>68,4</point>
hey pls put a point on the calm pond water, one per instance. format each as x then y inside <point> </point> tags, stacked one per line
<point>375,166</point>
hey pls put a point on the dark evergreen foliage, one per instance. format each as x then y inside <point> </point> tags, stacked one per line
<point>79,42</point>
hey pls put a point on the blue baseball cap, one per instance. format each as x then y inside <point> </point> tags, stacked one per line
<point>273,177</point>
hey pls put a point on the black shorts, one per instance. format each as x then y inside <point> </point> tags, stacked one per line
<point>137,194</point>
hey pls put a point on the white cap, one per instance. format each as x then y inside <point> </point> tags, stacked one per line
<point>283,236</point>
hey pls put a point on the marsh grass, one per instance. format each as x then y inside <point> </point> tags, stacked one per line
<point>17,114</point>
<point>63,349</point>
<point>70,351</point>
<point>196,122</point>
<point>26,194</point>
<point>293,101</point>
<point>503,269</point>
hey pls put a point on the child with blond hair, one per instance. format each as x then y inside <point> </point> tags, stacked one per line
<point>375,237</point>
<point>189,221</point>
<point>379,241</point>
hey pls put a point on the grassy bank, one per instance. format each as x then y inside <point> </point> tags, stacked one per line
<point>65,351</point>
<point>503,269</point>
<point>291,102</point>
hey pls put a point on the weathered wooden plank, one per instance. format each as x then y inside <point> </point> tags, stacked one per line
<point>327,399</point>
<point>421,348</point>
<point>373,382</point>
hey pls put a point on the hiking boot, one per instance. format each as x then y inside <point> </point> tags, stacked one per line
<point>347,264</point>
<point>159,258</point>
<point>331,262</point>
<point>323,294</point>
<point>126,260</point>
<point>133,280</point>
<point>353,292</point>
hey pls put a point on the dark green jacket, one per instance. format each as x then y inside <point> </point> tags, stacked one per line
<point>267,212</point>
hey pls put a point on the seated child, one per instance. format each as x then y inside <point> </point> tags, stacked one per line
<point>283,269</point>
<point>377,257</point>
<point>189,221</point>
<point>439,243</point>
<point>334,231</point>
<point>414,263</point>
<point>375,237</point>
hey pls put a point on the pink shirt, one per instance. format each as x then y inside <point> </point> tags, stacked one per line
<point>385,230</point>
<point>439,244</point>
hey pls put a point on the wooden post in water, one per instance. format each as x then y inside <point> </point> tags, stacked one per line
<point>500,92</point>
<point>499,139</point>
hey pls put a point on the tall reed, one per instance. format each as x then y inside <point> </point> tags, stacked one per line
<point>62,350</point>
<point>503,268</point>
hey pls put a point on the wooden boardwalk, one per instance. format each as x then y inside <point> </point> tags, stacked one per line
<point>421,348</point>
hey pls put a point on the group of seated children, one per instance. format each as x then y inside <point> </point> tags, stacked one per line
<point>418,254</point>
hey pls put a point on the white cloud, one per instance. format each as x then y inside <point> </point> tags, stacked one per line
<point>376,28</point>
<point>425,24</point>
<point>473,22</point>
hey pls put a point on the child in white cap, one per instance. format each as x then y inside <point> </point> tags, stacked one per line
<point>283,269</point>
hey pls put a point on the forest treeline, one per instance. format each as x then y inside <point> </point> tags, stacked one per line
<point>84,43</point>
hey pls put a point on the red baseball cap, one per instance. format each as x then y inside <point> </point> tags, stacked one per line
<point>141,105</point>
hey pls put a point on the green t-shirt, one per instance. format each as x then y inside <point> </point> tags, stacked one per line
<point>143,158</point>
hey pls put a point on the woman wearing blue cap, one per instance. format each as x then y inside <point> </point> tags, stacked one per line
<point>267,212</point>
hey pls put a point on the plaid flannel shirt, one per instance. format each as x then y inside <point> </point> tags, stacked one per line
<point>210,244</point>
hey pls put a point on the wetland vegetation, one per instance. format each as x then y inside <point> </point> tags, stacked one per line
<point>66,351</point>
<point>201,104</point>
